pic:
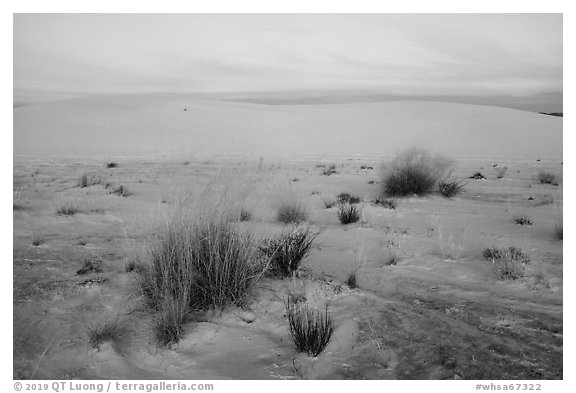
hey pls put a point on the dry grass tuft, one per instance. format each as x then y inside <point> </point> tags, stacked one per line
<point>310,329</point>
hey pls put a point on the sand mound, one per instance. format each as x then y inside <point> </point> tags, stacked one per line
<point>159,124</point>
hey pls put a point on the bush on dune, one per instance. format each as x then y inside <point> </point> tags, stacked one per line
<point>414,172</point>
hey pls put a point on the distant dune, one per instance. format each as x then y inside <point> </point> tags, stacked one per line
<point>158,124</point>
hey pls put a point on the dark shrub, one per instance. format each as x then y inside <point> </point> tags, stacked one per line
<point>348,214</point>
<point>121,190</point>
<point>523,220</point>
<point>91,265</point>
<point>413,172</point>
<point>344,197</point>
<point>509,261</point>
<point>450,187</point>
<point>287,251</point>
<point>310,329</point>
<point>477,176</point>
<point>351,281</point>
<point>111,165</point>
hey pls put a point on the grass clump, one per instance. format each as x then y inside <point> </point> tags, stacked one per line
<point>413,172</point>
<point>199,261</point>
<point>121,190</point>
<point>547,178</point>
<point>348,214</point>
<point>291,211</point>
<point>510,261</point>
<point>352,281</point>
<point>450,187</point>
<point>329,170</point>
<point>310,329</point>
<point>37,240</point>
<point>287,251</point>
<point>91,265</point>
<point>523,220</point>
<point>66,206</point>
<point>345,197</point>
<point>245,215</point>
<point>111,165</point>
<point>108,330</point>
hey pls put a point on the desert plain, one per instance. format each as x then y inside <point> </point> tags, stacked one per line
<point>426,302</point>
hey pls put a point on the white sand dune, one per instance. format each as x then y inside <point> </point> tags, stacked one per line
<point>158,124</point>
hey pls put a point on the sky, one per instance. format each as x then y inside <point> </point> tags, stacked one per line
<point>404,54</point>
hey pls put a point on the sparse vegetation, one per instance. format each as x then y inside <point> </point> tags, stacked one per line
<point>388,203</point>
<point>500,171</point>
<point>547,178</point>
<point>450,187</point>
<point>91,265</point>
<point>510,261</point>
<point>523,220</point>
<point>329,170</point>
<point>348,214</point>
<point>413,172</point>
<point>287,251</point>
<point>310,329</point>
<point>344,197</point>
<point>111,165</point>
<point>107,330</point>
<point>291,211</point>
<point>37,239</point>
<point>477,176</point>
<point>121,190</point>
<point>245,214</point>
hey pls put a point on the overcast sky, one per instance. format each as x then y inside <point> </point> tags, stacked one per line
<point>460,54</point>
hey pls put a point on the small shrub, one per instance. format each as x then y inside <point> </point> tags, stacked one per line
<point>287,251</point>
<point>509,261</point>
<point>477,176</point>
<point>547,178</point>
<point>91,265</point>
<point>388,203</point>
<point>83,181</point>
<point>245,215</point>
<point>329,170</point>
<point>348,214</point>
<point>351,281</point>
<point>450,187</point>
<point>329,203</point>
<point>344,197</point>
<point>413,172</point>
<point>310,329</point>
<point>500,171</point>
<point>291,211</point>
<point>111,165</point>
<point>108,330</point>
<point>523,220</point>
<point>37,240</point>
<point>121,190</point>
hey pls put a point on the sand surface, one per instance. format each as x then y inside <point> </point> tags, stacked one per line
<point>441,312</point>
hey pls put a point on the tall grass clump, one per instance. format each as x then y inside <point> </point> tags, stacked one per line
<point>200,260</point>
<point>310,329</point>
<point>287,251</point>
<point>66,205</point>
<point>413,172</point>
<point>348,214</point>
